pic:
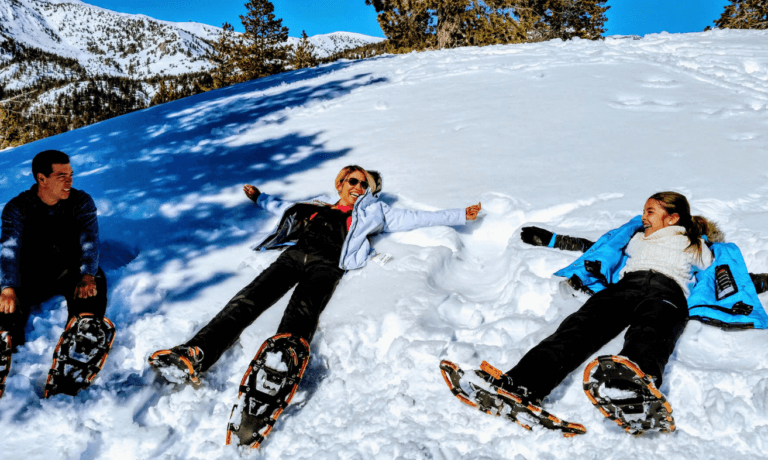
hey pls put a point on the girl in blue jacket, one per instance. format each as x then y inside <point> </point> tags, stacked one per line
<point>646,294</point>
<point>323,240</point>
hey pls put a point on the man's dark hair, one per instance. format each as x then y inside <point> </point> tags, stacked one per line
<point>44,161</point>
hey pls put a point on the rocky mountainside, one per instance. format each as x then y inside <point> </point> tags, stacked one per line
<point>97,41</point>
<point>66,64</point>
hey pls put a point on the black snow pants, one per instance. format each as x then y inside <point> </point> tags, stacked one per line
<point>35,291</point>
<point>651,305</point>
<point>315,278</point>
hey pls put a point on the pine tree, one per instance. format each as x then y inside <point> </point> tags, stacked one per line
<point>263,51</point>
<point>304,55</point>
<point>564,19</point>
<point>405,23</point>
<point>421,24</point>
<point>162,95</point>
<point>223,58</point>
<point>744,14</point>
<point>494,23</point>
<point>10,128</point>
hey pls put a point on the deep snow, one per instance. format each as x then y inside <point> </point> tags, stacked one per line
<point>572,135</point>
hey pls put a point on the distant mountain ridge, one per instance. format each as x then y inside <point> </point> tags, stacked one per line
<point>105,42</point>
<point>65,64</point>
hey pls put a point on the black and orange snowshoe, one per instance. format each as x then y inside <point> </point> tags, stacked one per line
<point>626,395</point>
<point>267,388</point>
<point>80,354</point>
<point>180,364</point>
<point>486,393</point>
<point>5,358</point>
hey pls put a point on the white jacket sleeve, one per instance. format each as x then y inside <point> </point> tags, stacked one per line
<point>400,220</point>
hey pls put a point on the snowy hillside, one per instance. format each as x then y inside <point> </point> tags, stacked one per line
<point>104,41</point>
<point>119,44</point>
<point>336,42</point>
<point>573,136</point>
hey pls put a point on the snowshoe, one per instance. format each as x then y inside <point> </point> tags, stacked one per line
<point>5,358</point>
<point>267,388</point>
<point>180,364</point>
<point>80,354</point>
<point>485,390</point>
<point>623,393</point>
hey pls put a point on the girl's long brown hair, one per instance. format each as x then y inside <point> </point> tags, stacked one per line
<point>675,203</point>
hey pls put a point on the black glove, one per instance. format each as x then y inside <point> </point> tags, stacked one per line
<point>255,195</point>
<point>760,280</point>
<point>536,236</point>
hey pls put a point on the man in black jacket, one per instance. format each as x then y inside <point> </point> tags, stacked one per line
<point>49,246</point>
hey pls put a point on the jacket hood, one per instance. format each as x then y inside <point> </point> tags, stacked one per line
<point>713,231</point>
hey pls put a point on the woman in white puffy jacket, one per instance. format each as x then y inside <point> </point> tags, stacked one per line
<point>324,240</point>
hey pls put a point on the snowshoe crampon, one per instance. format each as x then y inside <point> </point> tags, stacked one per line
<point>180,364</point>
<point>623,393</point>
<point>5,358</point>
<point>267,388</point>
<point>483,391</point>
<point>80,354</point>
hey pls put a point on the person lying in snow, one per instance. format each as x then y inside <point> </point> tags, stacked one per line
<point>737,313</point>
<point>323,240</point>
<point>50,247</point>
<point>643,276</point>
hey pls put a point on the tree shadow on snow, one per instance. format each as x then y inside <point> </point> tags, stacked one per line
<point>168,181</point>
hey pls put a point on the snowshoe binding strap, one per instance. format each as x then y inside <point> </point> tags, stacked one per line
<point>5,358</point>
<point>80,354</point>
<point>623,393</point>
<point>179,364</point>
<point>489,390</point>
<point>268,386</point>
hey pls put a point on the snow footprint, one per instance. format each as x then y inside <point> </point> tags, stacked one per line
<point>644,104</point>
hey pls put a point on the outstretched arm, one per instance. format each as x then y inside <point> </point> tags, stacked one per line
<point>540,237</point>
<point>401,220</point>
<point>271,203</point>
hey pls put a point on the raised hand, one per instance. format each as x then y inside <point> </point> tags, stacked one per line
<point>251,192</point>
<point>472,211</point>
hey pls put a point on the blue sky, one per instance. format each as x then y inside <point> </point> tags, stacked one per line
<point>625,17</point>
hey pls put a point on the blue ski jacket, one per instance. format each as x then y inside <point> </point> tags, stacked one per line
<point>369,216</point>
<point>723,294</point>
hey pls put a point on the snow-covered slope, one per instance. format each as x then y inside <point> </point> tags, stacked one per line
<point>573,136</point>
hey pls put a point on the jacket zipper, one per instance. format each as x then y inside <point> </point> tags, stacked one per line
<point>345,249</point>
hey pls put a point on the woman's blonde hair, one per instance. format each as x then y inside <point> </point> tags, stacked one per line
<point>347,170</point>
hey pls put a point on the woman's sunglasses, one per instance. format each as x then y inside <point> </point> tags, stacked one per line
<point>353,181</point>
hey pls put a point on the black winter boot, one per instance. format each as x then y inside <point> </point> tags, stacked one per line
<point>5,358</point>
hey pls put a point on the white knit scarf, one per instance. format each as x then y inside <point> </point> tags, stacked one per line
<point>666,251</point>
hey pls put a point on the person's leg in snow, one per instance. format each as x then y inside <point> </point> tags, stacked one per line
<point>186,362</point>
